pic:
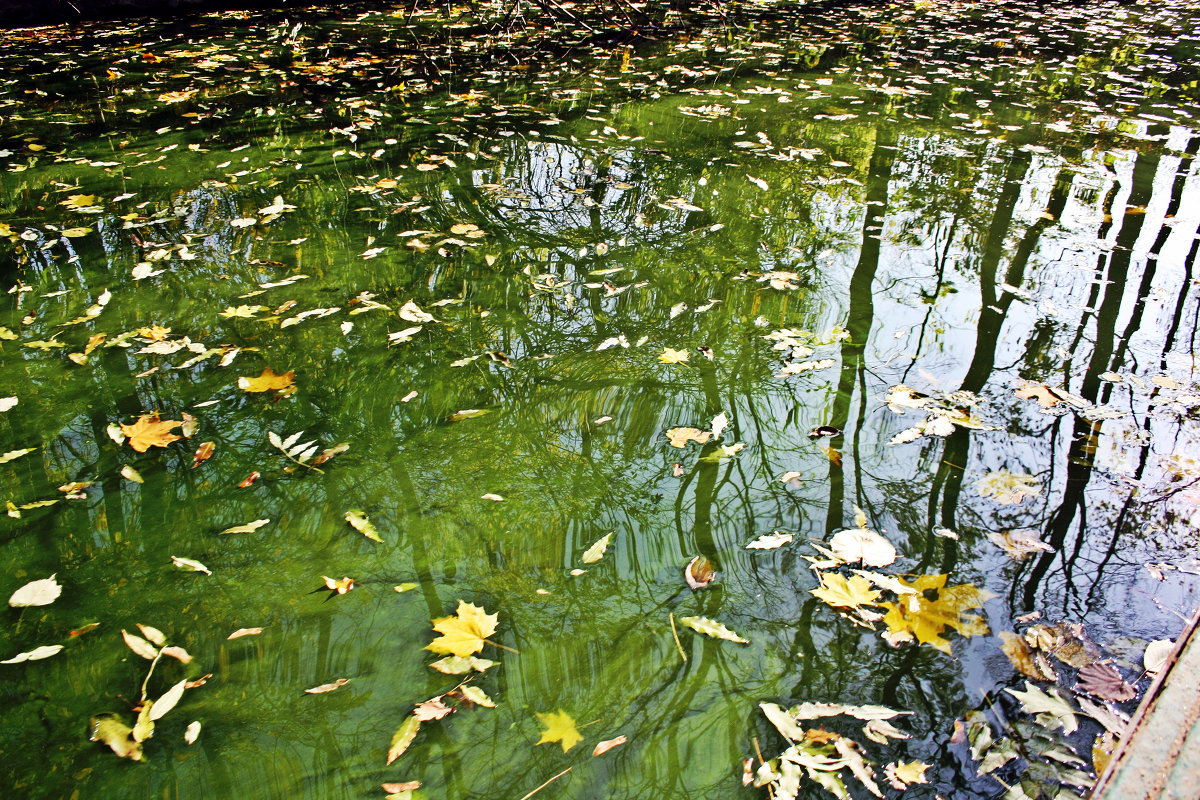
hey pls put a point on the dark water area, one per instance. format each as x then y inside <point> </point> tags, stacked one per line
<point>904,296</point>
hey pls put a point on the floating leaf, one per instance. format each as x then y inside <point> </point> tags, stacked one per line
<point>249,527</point>
<point>36,654</point>
<point>559,728</point>
<point>457,665</point>
<point>839,592</point>
<point>153,635</point>
<point>464,633</point>
<point>670,356</point>
<point>269,381</point>
<point>1030,390</point>
<point>36,593</point>
<point>203,453</point>
<point>1026,660</point>
<point>407,586</point>
<point>131,474</point>
<point>712,628</point>
<point>477,696</point>
<point>150,431</point>
<point>403,737</point>
<point>12,455</point>
<point>771,541</point>
<point>325,688</point>
<point>806,711</point>
<point>1054,710</point>
<point>432,709</point>
<point>140,646</point>
<point>679,437</point>
<point>932,608</point>
<point>698,573</point>
<point>168,701</point>
<point>597,550</point>
<point>608,744</point>
<point>1156,655</point>
<point>358,520</point>
<point>411,312</point>
<point>901,776</point>
<point>240,632</point>
<point>188,563</point>
<point>338,585</point>
<point>1105,682</point>
<point>109,729</point>
<point>878,730</point>
<point>860,544</point>
<point>192,733</point>
<point>495,498</point>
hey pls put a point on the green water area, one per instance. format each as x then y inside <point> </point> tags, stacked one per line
<point>757,401</point>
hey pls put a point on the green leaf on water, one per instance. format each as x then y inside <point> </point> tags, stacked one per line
<point>358,520</point>
<point>403,737</point>
<point>712,628</point>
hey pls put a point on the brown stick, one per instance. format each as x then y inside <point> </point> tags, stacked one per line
<point>547,783</point>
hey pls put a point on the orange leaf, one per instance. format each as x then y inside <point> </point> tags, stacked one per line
<point>150,431</point>
<point>203,453</point>
<point>269,381</point>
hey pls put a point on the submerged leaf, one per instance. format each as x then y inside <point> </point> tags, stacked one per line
<point>458,665</point>
<point>249,527</point>
<point>1054,711</point>
<point>1008,488</point>
<point>679,437</point>
<point>901,776</point>
<point>1105,682</point>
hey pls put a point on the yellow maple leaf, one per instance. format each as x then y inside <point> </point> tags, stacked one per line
<point>150,431</point>
<point>79,201</point>
<point>464,633</point>
<point>901,776</point>
<point>269,381</point>
<point>559,728</point>
<point>837,591</point>
<point>916,615</point>
<point>671,356</point>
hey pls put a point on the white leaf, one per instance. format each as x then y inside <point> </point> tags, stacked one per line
<point>861,544</point>
<point>165,703</point>
<point>719,424</point>
<point>770,541</point>
<point>7,402</point>
<point>411,311</point>
<point>36,593</point>
<point>188,563</point>
<point>36,654</point>
<point>192,733</point>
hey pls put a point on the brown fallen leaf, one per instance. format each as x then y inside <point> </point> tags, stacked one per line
<point>240,632</point>
<point>1032,390</point>
<point>203,453</point>
<point>699,573</point>
<point>1106,682</point>
<point>608,744</point>
<point>248,480</point>
<point>149,431</point>
<point>328,687</point>
<point>1029,662</point>
<point>91,626</point>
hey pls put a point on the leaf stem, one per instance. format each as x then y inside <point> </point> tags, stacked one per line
<point>675,634</point>
<point>503,647</point>
<point>150,672</point>
<point>547,783</point>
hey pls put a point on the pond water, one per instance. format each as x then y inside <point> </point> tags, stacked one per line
<point>505,270</point>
